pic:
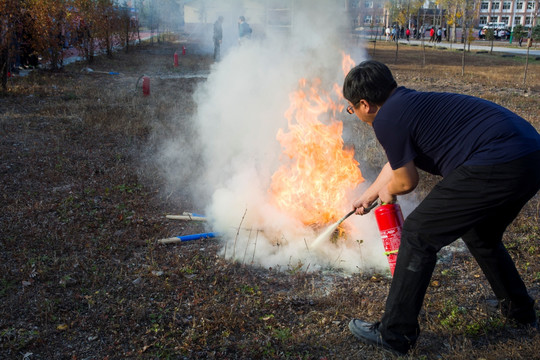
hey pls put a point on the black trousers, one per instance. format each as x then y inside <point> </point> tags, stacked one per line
<point>475,203</point>
<point>217,49</point>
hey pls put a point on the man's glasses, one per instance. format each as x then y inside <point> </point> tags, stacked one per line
<point>350,109</point>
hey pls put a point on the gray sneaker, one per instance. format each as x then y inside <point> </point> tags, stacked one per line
<point>369,334</point>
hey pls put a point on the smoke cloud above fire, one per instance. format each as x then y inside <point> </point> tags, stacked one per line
<point>240,109</point>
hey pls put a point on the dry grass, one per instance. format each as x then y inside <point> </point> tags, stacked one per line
<point>81,276</point>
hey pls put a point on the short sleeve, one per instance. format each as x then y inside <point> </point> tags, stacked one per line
<point>396,141</point>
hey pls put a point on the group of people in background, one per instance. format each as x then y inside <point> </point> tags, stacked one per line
<point>244,33</point>
<point>436,35</point>
<point>394,33</point>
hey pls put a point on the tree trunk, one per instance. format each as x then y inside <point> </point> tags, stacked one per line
<point>4,67</point>
<point>108,44</point>
<point>423,51</point>
<point>397,46</point>
<point>463,55</point>
<point>526,65</point>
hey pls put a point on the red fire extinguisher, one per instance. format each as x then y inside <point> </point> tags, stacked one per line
<point>390,222</point>
<point>146,86</point>
<point>183,50</point>
<point>175,59</point>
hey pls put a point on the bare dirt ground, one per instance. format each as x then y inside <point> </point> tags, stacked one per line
<point>81,274</point>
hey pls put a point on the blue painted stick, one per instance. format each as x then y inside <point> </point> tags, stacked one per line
<point>188,238</point>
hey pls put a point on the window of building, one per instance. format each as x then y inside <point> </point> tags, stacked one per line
<point>484,5</point>
<point>528,20</point>
<point>507,5</point>
<point>496,6</point>
<point>517,20</point>
<point>505,19</point>
<point>530,5</point>
<point>367,19</point>
<point>368,4</point>
<point>483,20</point>
<point>379,19</point>
<point>519,5</point>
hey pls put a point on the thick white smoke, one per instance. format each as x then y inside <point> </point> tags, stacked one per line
<point>240,109</point>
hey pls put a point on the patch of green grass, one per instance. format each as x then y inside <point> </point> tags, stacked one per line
<point>282,334</point>
<point>295,268</point>
<point>17,339</point>
<point>129,188</point>
<point>449,272</point>
<point>6,286</point>
<point>452,316</point>
<point>459,320</point>
<point>187,270</point>
<point>249,290</point>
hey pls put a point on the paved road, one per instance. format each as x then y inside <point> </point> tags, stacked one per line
<point>479,46</point>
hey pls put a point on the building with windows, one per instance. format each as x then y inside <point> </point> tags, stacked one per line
<point>366,13</point>
<point>510,12</point>
<point>377,13</point>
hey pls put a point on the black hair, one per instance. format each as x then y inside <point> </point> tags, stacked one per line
<point>370,80</point>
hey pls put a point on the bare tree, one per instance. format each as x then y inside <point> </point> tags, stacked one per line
<point>126,26</point>
<point>10,25</point>
<point>490,35</point>
<point>534,36</point>
<point>467,9</point>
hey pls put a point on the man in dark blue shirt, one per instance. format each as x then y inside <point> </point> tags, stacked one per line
<point>489,158</point>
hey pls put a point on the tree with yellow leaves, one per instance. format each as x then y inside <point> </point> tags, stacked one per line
<point>50,25</point>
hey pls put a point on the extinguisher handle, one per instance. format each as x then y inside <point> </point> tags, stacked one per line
<point>369,208</point>
<point>372,206</point>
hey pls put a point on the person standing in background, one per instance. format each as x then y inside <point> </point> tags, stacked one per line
<point>244,30</point>
<point>218,37</point>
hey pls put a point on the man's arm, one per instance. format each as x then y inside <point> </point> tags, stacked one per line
<point>388,184</point>
<point>403,181</point>
<point>372,193</point>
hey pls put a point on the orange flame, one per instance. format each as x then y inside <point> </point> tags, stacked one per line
<point>318,171</point>
<point>347,63</point>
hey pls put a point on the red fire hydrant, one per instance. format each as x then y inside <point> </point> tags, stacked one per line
<point>146,86</point>
<point>175,59</point>
<point>390,222</point>
<point>183,50</point>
